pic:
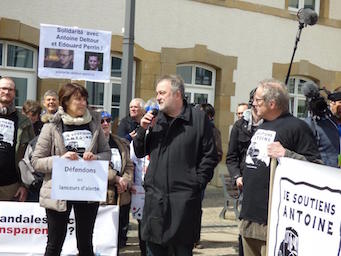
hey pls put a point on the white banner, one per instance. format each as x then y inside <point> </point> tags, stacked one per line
<point>79,179</point>
<point>23,230</point>
<point>74,53</point>
<point>306,210</point>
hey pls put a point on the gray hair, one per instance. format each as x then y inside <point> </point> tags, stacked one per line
<point>139,100</point>
<point>277,91</point>
<point>177,83</point>
<point>52,93</point>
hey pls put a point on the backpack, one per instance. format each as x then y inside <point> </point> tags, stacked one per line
<point>29,176</point>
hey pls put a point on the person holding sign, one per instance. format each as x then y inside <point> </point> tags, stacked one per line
<point>73,133</point>
<point>120,176</point>
<point>280,135</point>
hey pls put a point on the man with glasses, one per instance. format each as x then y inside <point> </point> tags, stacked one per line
<point>15,133</point>
<point>65,59</point>
<point>280,135</point>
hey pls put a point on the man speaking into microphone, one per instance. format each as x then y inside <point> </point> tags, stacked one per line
<point>183,156</point>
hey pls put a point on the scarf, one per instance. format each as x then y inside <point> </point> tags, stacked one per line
<point>69,120</point>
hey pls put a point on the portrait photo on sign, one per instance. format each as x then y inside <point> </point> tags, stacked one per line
<point>93,61</point>
<point>58,58</point>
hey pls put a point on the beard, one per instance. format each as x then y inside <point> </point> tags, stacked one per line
<point>5,101</point>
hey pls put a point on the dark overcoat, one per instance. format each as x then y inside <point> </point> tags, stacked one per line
<point>182,160</point>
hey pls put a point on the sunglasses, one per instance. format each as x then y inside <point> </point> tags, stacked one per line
<point>107,120</point>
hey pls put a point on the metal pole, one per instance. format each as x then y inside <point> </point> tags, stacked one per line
<point>298,35</point>
<point>127,59</point>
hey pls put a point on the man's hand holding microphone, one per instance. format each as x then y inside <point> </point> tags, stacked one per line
<point>148,120</point>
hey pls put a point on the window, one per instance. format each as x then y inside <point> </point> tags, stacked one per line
<point>19,62</point>
<point>297,99</point>
<point>295,5</point>
<point>199,82</point>
<point>107,95</point>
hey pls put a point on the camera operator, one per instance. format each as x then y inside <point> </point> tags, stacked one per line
<point>325,121</point>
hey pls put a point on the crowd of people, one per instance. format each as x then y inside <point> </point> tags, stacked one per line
<point>170,154</point>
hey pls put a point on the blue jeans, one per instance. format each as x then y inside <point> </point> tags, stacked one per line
<point>169,250</point>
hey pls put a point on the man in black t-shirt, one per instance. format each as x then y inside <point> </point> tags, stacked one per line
<point>281,135</point>
<point>16,131</point>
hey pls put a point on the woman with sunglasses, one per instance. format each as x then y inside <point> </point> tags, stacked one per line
<point>120,176</point>
<point>73,133</point>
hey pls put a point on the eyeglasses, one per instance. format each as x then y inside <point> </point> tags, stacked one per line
<point>107,120</point>
<point>240,113</point>
<point>6,89</point>
<point>257,100</point>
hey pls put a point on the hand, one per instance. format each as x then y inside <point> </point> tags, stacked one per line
<point>147,120</point>
<point>132,134</point>
<point>133,189</point>
<point>276,150</point>
<point>21,194</point>
<point>71,155</point>
<point>239,183</point>
<point>89,156</point>
<point>120,184</point>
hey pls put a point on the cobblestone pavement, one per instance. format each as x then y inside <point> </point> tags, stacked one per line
<point>219,237</point>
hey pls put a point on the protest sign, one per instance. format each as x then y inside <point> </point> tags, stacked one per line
<point>257,151</point>
<point>305,211</point>
<point>79,179</point>
<point>137,202</point>
<point>25,224</point>
<point>74,53</point>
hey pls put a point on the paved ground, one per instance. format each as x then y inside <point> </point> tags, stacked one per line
<point>218,236</point>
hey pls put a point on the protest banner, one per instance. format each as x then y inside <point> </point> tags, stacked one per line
<point>137,202</point>
<point>74,53</point>
<point>23,230</point>
<point>305,210</point>
<point>79,179</point>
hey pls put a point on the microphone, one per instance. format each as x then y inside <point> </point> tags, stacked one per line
<point>307,16</point>
<point>151,105</point>
<point>310,89</point>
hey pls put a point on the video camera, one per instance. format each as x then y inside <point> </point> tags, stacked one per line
<point>316,103</point>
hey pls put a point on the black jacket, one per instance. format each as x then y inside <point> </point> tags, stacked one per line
<point>182,159</point>
<point>126,126</point>
<point>240,138</point>
<point>326,133</point>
